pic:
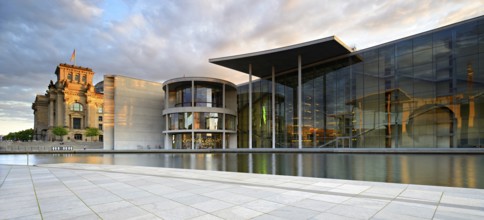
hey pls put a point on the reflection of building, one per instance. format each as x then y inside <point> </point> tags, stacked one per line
<point>419,91</point>
<point>200,113</point>
<point>72,102</point>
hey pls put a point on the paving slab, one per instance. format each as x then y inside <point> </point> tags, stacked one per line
<point>84,191</point>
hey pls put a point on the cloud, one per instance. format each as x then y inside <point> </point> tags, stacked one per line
<point>159,40</point>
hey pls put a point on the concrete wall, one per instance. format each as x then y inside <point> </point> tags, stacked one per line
<point>108,115</point>
<point>136,109</point>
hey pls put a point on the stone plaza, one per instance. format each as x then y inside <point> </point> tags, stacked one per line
<point>83,191</point>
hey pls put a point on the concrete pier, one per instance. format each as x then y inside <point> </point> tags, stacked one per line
<point>84,191</point>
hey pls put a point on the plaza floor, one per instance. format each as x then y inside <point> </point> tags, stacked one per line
<point>83,191</point>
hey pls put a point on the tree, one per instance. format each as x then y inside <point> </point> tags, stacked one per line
<point>24,135</point>
<point>59,131</point>
<point>92,132</point>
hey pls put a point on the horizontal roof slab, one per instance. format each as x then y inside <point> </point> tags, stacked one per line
<point>285,58</point>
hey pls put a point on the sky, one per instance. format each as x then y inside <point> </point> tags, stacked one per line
<point>157,40</point>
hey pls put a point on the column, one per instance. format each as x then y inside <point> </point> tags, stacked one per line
<point>193,94</point>
<point>273,107</point>
<point>87,123</point>
<point>223,119</point>
<point>250,106</point>
<point>223,133</point>
<point>59,110</point>
<point>299,101</point>
<point>167,96</point>
<point>193,139</point>
<point>66,117</point>
<point>51,112</point>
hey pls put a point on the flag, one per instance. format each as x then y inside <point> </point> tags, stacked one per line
<point>73,56</point>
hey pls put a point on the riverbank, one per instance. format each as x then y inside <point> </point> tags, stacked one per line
<point>258,150</point>
<point>83,191</point>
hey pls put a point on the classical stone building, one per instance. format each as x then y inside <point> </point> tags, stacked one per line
<point>72,102</point>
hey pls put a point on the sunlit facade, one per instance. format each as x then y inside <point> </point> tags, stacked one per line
<point>422,91</point>
<point>200,113</point>
<point>72,102</point>
<point>132,113</point>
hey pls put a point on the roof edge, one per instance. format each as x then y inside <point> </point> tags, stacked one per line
<point>281,49</point>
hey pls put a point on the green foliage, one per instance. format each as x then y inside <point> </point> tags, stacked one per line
<point>92,132</point>
<point>24,135</point>
<point>59,131</point>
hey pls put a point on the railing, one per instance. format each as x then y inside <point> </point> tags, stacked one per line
<point>199,104</point>
<point>349,138</point>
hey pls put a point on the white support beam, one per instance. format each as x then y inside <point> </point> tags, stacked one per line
<point>299,101</point>
<point>250,106</point>
<point>223,118</point>
<point>273,107</point>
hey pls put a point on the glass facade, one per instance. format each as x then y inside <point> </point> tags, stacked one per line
<point>208,94</point>
<point>207,120</point>
<point>196,117</point>
<point>424,91</point>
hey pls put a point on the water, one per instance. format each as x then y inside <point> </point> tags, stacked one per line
<point>441,170</point>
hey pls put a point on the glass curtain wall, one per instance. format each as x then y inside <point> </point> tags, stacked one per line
<point>180,94</point>
<point>286,112</point>
<point>208,94</point>
<point>424,92</point>
<point>243,115</point>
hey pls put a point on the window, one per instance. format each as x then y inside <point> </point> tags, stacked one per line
<point>184,96</point>
<point>101,138</point>
<point>100,109</point>
<point>209,121</point>
<point>208,94</point>
<point>77,77</point>
<point>78,137</point>
<point>76,123</point>
<point>100,127</point>
<point>84,78</point>
<point>76,107</point>
<point>100,118</point>
<point>229,122</point>
<point>69,76</point>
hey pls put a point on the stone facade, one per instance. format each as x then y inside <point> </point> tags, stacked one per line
<point>72,102</point>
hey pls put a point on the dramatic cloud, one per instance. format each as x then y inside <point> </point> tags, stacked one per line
<point>158,40</point>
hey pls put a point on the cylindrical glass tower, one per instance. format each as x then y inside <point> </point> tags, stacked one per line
<point>200,113</point>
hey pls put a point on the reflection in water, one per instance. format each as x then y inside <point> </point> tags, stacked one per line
<point>443,170</point>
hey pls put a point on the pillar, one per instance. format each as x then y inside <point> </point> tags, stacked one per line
<point>250,106</point>
<point>273,107</point>
<point>223,119</point>
<point>51,112</point>
<point>299,101</point>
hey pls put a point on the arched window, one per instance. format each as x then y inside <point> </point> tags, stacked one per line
<point>76,107</point>
<point>77,78</point>
<point>69,76</point>
<point>84,78</point>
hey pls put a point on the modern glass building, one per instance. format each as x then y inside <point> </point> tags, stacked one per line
<point>200,113</point>
<point>422,91</point>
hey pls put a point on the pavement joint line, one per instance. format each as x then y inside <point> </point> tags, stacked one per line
<point>3,181</point>
<point>381,207</point>
<point>412,201</point>
<point>74,194</point>
<point>139,189</point>
<point>440,199</point>
<point>35,192</point>
<point>391,200</point>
